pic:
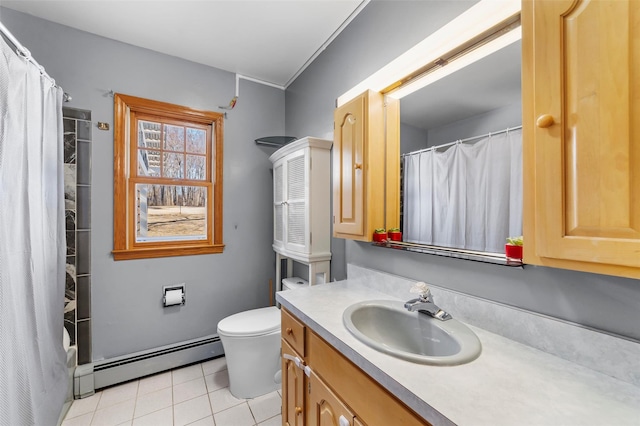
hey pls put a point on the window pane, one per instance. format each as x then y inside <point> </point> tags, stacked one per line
<point>173,138</point>
<point>170,212</point>
<point>196,167</point>
<point>148,163</point>
<point>149,134</point>
<point>173,166</point>
<point>196,141</point>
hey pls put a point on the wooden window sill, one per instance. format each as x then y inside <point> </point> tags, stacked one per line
<point>153,252</point>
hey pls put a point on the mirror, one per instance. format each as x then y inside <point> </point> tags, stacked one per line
<point>481,98</point>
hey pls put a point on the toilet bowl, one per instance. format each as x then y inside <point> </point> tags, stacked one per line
<point>251,342</point>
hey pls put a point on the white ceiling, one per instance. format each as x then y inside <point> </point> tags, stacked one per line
<point>264,39</point>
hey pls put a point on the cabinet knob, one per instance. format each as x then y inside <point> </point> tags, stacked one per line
<point>298,410</point>
<point>544,121</point>
<point>289,330</point>
<point>357,166</point>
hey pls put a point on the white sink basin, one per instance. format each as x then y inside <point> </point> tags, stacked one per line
<point>387,326</point>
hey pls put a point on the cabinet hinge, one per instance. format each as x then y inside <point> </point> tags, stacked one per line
<point>309,388</point>
<point>310,238</point>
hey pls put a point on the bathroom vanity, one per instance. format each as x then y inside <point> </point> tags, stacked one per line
<point>328,373</point>
<point>337,392</point>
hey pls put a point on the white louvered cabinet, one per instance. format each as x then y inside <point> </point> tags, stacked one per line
<point>301,206</point>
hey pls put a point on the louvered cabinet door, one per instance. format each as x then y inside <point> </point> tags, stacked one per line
<point>584,121</point>
<point>296,205</point>
<point>278,204</point>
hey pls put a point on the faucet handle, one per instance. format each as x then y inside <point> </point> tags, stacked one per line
<point>422,290</point>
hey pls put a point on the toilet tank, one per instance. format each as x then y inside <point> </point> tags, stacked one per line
<point>293,283</point>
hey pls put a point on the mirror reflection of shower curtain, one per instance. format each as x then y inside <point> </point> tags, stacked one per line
<point>33,377</point>
<point>468,196</point>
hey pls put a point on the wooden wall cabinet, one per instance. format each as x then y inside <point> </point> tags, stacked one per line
<point>335,391</point>
<point>365,187</point>
<point>581,118</point>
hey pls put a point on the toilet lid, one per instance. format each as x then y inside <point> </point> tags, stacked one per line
<point>255,322</point>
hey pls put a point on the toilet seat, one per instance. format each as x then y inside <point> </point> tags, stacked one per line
<point>256,322</point>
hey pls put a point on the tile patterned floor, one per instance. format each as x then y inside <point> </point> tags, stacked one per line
<point>197,395</point>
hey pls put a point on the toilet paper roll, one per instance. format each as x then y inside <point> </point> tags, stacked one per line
<point>173,297</point>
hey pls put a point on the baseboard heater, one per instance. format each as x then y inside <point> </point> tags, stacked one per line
<point>129,367</point>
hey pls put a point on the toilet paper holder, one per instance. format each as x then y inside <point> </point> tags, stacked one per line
<point>173,295</point>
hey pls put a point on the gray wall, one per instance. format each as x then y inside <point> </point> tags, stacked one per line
<point>127,315</point>
<point>412,138</point>
<point>481,124</point>
<point>381,32</point>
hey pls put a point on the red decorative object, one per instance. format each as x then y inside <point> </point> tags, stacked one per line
<point>379,237</point>
<point>513,252</point>
<point>395,235</point>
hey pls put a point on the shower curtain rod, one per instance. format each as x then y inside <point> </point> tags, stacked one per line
<point>508,129</point>
<point>24,52</point>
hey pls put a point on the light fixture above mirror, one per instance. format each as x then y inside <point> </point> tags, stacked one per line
<point>488,20</point>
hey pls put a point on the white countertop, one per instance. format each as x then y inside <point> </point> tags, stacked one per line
<point>509,384</point>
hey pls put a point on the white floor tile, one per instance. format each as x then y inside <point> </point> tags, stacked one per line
<point>157,418</point>
<point>273,421</point>
<point>214,365</point>
<point>153,401</point>
<point>240,415</point>
<point>117,394</point>
<point>114,414</point>
<point>266,406</point>
<point>83,420</point>
<point>129,423</point>
<point>191,410</point>
<point>217,380</point>
<point>83,406</point>
<point>207,421</point>
<point>222,399</point>
<point>189,390</point>
<point>154,383</point>
<point>185,374</point>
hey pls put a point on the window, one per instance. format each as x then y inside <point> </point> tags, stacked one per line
<point>167,180</point>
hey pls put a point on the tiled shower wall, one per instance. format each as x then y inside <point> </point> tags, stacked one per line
<point>77,199</point>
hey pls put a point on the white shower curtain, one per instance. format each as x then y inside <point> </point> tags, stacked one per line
<point>33,374</point>
<point>468,196</point>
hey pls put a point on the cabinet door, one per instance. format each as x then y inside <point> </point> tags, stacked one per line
<point>325,408</point>
<point>278,204</point>
<point>292,389</point>
<point>585,128</point>
<point>348,167</point>
<point>297,184</point>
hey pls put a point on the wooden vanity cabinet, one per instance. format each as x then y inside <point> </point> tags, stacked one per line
<point>581,120</point>
<point>333,391</point>
<point>363,188</point>
<point>293,375</point>
<point>325,408</point>
<point>293,388</point>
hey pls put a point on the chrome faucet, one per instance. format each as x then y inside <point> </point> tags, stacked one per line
<point>424,303</point>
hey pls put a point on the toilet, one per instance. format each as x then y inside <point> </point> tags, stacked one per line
<point>251,342</point>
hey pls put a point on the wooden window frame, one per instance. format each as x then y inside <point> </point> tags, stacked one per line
<point>125,246</point>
